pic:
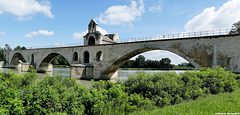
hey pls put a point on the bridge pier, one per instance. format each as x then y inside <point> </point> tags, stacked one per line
<point>24,67</point>
<point>45,67</point>
<point>81,71</point>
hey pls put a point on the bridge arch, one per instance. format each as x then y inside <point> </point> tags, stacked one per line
<point>16,58</point>
<point>43,64</point>
<point>109,71</point>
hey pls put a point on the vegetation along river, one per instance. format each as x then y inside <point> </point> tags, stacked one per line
<point>122,74</point>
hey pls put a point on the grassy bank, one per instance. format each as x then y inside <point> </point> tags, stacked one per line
<point>209,105</point>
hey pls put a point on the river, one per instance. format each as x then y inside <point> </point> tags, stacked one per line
<point>122,74</point>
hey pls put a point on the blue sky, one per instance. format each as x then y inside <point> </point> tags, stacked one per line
<point>33,23</point>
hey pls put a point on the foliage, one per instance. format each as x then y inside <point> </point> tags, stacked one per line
<point>2,55</point>
<point>8,48</point>
<point>141,62</point>
<point>184,64</point>
<point>20,48</point>
<point>22,94</point>
<point>3,52</point>
<point>208,105</point>
<point>170,88</point>
<point>235,28</point>
<point>60,60</point>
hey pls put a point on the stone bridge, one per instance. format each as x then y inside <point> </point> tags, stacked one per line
<point>101,56</point>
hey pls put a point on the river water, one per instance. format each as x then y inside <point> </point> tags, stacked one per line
<point>122,74</point>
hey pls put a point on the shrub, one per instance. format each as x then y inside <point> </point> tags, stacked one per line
<point>21,94</point>
<point>171,88</point>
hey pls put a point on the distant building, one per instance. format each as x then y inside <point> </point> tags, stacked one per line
<point>95,37</point>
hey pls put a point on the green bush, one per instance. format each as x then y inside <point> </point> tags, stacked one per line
<point>21,94</point>
<point>218,80</point>
<point>171,88</point>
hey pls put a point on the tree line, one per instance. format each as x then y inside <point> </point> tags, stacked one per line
<point>141,62</point>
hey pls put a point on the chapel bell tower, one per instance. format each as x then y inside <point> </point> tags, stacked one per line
<point>95,37</point>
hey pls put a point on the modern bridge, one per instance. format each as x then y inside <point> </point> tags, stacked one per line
<point>102,55</point>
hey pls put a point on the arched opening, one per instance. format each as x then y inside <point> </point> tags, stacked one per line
<point>55,62</point>
<point>75,56</point>
<point>86,57</point>
<point>32,58</point>
<point>91,41</point>
<point>99,56</point>
<point>159,58</point>
<point>17,59</point>
<point>109,71</point>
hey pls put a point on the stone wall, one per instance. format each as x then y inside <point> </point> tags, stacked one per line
<point>2,64</point>
<point>80,71</point>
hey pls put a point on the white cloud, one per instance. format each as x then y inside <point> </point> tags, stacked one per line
<point>58,45</point>
<point>45,32</point>
<point>25,8</point>
<point>39,32</point>
<point>155,8</point>
<point>80,35</point>
<point>2,33</point>
<point>121,15</point>
<point>212,18</point>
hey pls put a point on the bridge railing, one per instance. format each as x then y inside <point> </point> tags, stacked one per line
<point>58,45</point>
<point>177,35</point>
<point>157,37</point>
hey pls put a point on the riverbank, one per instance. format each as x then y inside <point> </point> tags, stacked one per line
<point>177,68</point>
<point>61,66</point>
<point>224,103</point>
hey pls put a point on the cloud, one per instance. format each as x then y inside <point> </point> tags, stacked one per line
<point>212,18</point>
<point>121,15</point>
<point>155,8</point>
<point>25,8</point>
<point>39,32</point>
<point>2,33</point>
<point>58,45</point>
<point>80,35</point>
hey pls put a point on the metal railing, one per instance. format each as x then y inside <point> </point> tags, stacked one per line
<point>178,35</point>
<point>148,38</point>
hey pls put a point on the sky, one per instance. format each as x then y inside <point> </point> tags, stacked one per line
<point>44,23</point>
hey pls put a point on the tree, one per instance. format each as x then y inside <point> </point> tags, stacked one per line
<point>18,48</point>
<point>140,61</point>
<point>2,54</point>
<point>24,48</point>
<point>60,60</point>
<point>165,63</point>
<point>128,64</point>
<point>235,28</point>
<point>7,47</point>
